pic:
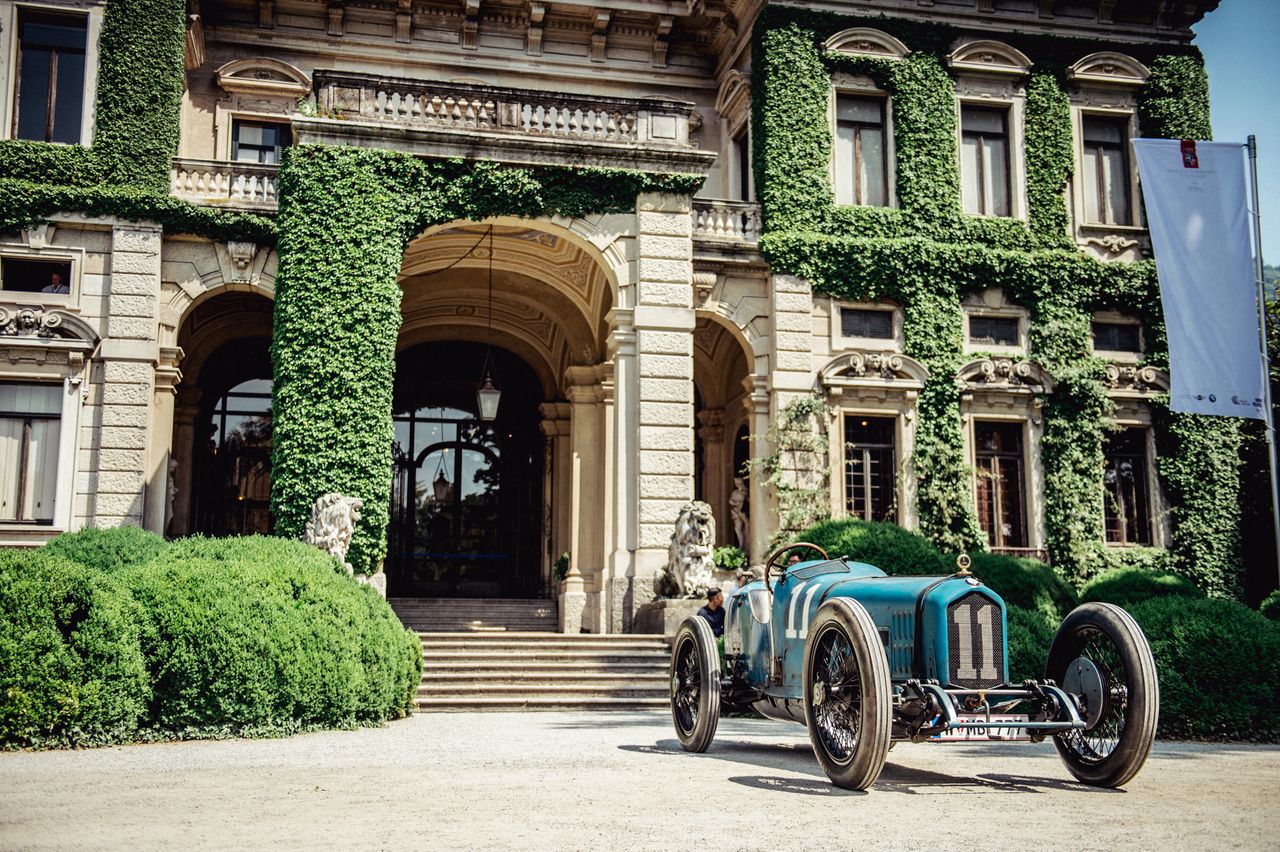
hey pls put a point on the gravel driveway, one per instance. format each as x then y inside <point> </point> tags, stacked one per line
<point>617,781</point>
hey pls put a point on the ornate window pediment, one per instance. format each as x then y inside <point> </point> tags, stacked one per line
<point>1133,380</point>
<point>864,367</point>
<point>263,77</point>
<point>1109,69</point>
<point>35,334</point>
<point>989,57</point>
<point>734,95</point>
<point>1005,375</point>
<point>864,41</point>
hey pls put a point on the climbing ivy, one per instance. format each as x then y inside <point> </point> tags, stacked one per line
<point>795,468</point>
<point>346,215</point>
<point>927,256</point>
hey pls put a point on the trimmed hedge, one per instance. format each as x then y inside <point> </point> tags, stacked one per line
<point>1125,587</point>
<point>1270,607</point>
<point>1026,583</point>
<point>209,638</point>
<point>71,666</point>
<point>1029,636</point>
<point>108,550</point>
<point>1219,665</point>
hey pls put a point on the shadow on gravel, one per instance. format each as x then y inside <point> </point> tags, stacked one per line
<point>895,778</point>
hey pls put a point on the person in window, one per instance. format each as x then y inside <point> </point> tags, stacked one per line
<point>55,285</point>
<point>713,612</point>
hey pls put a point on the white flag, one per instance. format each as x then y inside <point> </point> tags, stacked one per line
<point>1196,210</point>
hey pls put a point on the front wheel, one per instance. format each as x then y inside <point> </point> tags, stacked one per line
<point>695,684</point>
<point>1101,656</point>
<point>848,699</point>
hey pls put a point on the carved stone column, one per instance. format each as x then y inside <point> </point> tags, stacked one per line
<point>182,447</point>
<point>758,497</point>
<point>160,448</point>
<point>621,461</point>
<point>715,479</point>
<point>580,591</point>
<point>556,485</point>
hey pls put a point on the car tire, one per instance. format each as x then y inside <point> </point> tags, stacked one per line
<point>695,684</point>
<point>848,698</point>
<point>1115,746</point>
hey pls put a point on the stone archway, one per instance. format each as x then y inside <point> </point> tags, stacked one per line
<point>722,368</point>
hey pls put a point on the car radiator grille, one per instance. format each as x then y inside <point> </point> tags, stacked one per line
<point>975,642</point>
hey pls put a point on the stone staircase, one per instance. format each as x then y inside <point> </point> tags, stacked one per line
<point>479,615</point>
<point>505,654</point>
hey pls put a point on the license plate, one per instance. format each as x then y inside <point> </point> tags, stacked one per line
<point>978,729</point>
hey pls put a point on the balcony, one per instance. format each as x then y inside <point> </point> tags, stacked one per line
<point>220,183</point>
<point>730,222</point>
<point>520,126</point>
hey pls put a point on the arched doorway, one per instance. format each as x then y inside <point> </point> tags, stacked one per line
<point>222,419</point>
<point>722,408</point>
<point>466,505</point>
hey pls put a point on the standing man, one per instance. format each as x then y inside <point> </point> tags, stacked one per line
<point>713,612</point>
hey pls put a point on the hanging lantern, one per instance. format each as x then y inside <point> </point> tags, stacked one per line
<point>441,487</point>
<point>489,394</point>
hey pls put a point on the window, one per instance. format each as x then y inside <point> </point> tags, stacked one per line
<point>50,87</point>
<point>23,275</point>
<point>1001,497</point>
<point>253,142</point>
<point>869,468</point>
<point>233,463</point>
<point>984,160</point>
<point>861,160</point>
<point>1117,337</point>
<point>1127,505</point>
<point>858,322</point>
<point>742,166</point>
<point>29,431</point>
<point>993,331</point>
<point>1106,171</point>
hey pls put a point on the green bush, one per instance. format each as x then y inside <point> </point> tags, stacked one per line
<point>258,635</point>
<point>1030,635</point>
<point>1270,606</point>
<point>71,665</point>
<point>1026,583</point>
<point>108,550</point>
<point>1125,587</point>
<point>729,558</point>
<point>887,546</point>
<point>1219,665</point>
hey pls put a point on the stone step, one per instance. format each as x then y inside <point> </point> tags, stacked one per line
<point>545,690</point>
<point>536,680</point>
<point>497,666</point>
<point>507,703</point>
<point>474,662</point>
<point>539,638</point>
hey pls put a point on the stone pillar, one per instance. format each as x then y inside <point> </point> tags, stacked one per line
<point>715,479</point>
<point>182,447</point>
<point>557,489</point>
<point>791,358</point>
<point>160,451</point>
<point>664,320</point>
<point>579,597</point>
<point>621,460</point>
<point>129,357</point>
<point>758,496</point>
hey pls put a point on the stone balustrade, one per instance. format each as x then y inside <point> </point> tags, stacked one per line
<point>246,186</point>
<point>731,221</point>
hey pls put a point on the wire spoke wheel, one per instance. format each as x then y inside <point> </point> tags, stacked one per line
<point>695,684</point>
<point>847,694</point>
<point>1118,696</point>
<point>837,696</point>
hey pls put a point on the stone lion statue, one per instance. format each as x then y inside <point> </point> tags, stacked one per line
<point>689,565</point>
<point>333,520</point>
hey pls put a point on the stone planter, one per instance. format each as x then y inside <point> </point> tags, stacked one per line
<point>663,617</point>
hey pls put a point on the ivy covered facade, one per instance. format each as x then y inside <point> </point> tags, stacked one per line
<point>876,261</point>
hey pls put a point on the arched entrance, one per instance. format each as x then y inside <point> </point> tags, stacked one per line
<point>722,409</point>
<point>466,503</point>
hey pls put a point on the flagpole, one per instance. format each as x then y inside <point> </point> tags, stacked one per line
<point>1268,411</point>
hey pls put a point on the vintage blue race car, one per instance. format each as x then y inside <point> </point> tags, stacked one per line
<point>865,660</point>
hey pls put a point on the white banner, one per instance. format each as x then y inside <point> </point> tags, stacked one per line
<point>1197,213</point>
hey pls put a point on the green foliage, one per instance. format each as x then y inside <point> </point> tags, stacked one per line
<point>888,547</point>
<point>1219,667</point>
<point>71,667</point>
<point>42,163</point>
<point>140,83</point>
<point>1030,633</point>
<point>1125,587</point>
<point>560,568</point>
<point>926,256</point>
<point>346,215</point>
<point>1270,606</point>
<point>796,469</point>
<point>1026,583</point>
<point>729,558</point>
<point>107,550</point>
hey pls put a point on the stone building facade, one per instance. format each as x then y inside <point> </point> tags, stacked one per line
<point>642,355</point>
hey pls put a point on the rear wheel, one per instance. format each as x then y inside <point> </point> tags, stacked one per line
<point>1101,655</point>
<point>695,684</point>
<point>847,694</point>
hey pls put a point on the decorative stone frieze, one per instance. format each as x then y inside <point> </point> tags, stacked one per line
<point>1004,374</point>
<point>1134,380</point>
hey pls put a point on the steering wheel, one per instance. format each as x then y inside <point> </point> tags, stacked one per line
<point>773,558</point>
